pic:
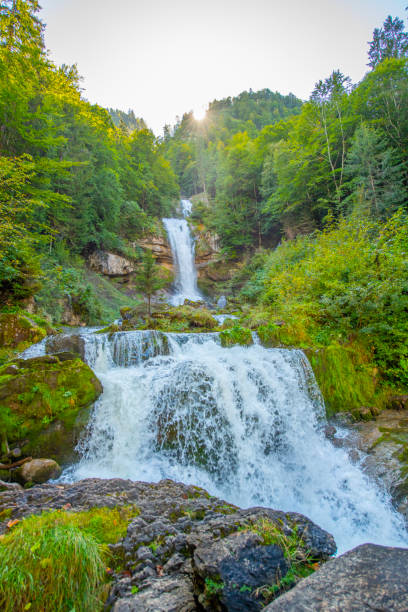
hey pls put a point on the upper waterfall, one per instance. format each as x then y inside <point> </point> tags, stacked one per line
<point>182,248</point>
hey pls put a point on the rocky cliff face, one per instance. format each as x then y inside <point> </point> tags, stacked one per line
<point>160,248</point>
<point>110,264</point>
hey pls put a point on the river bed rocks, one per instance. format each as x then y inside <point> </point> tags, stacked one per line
<point>186,550</point>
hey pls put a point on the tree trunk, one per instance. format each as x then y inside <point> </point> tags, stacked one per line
<point>4,443</point>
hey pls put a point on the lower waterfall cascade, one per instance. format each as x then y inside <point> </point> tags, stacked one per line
<point>245,423</point>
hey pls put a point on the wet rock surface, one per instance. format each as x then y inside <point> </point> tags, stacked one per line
<point>369,577</point>
<point>72,343</point>
<point>186,550</point>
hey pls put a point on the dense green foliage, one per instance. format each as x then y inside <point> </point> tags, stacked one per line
<point>68,176</point>
<point>326,179</point>
<point>345,286</point>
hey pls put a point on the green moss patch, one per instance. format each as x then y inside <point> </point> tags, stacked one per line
<point>300,561</point>
<point>346,377</point>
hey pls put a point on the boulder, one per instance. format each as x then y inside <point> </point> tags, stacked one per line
<point>234,568</point>
<point>369,577</point>
<point>62,343</point>
<point>110,264</point>
<point>47,399</point>
<point>39,470</point>
<point>398,402</point>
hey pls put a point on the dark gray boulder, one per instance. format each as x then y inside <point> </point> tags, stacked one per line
<point>369,577</point>
<point>231,570</point>
<point>167,594</point>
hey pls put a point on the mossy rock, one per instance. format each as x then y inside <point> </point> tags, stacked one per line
<point>236,335</point>
<point>182,319</point>
<point>18,331</point>
<point>46,401</point>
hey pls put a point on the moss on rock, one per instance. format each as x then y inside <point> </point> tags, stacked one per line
<point>236,335</point>
<point>44,400</point>
<point>18,331</point>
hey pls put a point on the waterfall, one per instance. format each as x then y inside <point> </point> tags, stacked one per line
<point>246,423</point>
<point>182,248</point>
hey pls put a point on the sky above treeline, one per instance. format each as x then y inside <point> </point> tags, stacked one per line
<point>162,58</point>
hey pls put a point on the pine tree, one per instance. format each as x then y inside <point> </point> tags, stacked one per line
<point>388,41</point>
<point>148,278</point>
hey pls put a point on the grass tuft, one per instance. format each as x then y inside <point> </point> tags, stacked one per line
<point>57,561</point>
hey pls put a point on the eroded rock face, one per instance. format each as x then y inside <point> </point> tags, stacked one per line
<point>368,577</point>
<point>381,445</point>
<point>186,550</point>
<point>160,248</point>
<point>110,264</point>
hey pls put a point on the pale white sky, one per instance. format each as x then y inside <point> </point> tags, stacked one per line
<point>165,57</point>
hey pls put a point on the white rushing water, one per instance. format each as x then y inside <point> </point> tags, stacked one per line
<point>182,248</point>
<point>244,422</point>
<point>186,207</point>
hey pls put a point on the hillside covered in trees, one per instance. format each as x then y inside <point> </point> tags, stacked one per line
<point>71,181</point>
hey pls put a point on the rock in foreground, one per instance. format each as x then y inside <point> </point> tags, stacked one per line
<point>368,577</point>
<point>185,550</point>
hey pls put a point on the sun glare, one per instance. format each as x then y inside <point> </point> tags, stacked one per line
<point>199,113</point>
